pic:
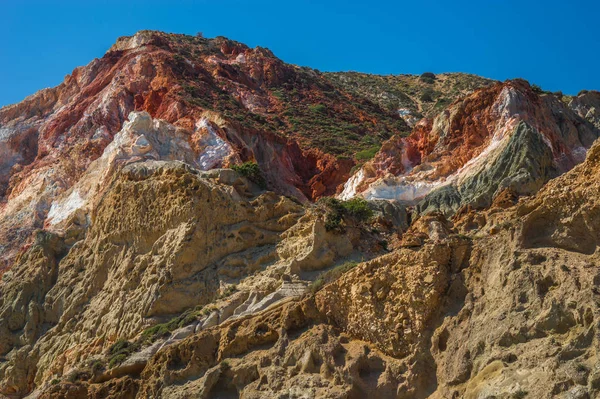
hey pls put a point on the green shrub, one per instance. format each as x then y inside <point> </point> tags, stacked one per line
<point>78,375</point>
<point>317,285</point>
<point>318,108</point>
<point>367,154</point>
<point>153,333</point>
<point>427,95</point>
<point>441,103</point>
<point>119,346</point>
<point>119,351</point>
<point>333,221</point>
<point>227,292</point>
<point>355,208</point>
<point>280,94</point>
<point>116,360</point>
<point>520,394</point>
<point>252,172</point>
<point>537,89</point>
<point>358,208</point>
<point>164,329</point>
<point>427,77</point>
<point>97,366</point>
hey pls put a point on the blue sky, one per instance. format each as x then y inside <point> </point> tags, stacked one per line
<point>555,44</point>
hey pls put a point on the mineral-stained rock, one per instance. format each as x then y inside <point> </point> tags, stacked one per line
<point>501,137</point>
<point>146,258</point>
<point>530,317</point>
<point>142,266</point>
<point>229,102</point>
<point>523,167</point>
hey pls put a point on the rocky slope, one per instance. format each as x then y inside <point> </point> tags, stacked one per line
<point>232,103</point>
<point>136,264</point>
<point>413,97</point>
<point>501,138</point>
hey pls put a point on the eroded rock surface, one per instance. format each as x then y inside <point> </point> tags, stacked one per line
<point>502,137</point>
<point>141,266</point>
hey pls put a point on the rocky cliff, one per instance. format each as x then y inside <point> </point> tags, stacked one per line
<point>501,138</point>
<point>186,217</point>
<point>231,104</point>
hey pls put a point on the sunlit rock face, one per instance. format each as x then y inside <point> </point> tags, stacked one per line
<point>142,138</point>
<point>226,101</point>
<point>504,137</point>
<point>138,263</point>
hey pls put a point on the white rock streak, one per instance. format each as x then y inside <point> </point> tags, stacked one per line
<point>141,138</point>
<point>60,211</point>
<point>215,148</point>
<point>414,185</point>
<point>350,187</point>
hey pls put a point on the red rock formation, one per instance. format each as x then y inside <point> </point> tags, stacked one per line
<point>49,140</point>
<point>470,128</point>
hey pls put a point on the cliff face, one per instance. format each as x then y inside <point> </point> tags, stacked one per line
<point>504,137</point>
<point>232,104</point>
<point>501,312</point>
<point>136,264</point>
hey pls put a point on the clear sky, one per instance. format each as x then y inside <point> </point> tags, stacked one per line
<point>555,44</point>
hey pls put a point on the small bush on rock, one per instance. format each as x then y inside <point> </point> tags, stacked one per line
<point>97,367</point>
<point>120,351</point>
<point>537,89</point>
<point>355,208</point>
<point>318,108</point>
<point>367,154</point>
<point>358,208</point>
<point>116,360</point>
<point>252,172</point>
<point>427,77</point>
<point>164,329</point>
<point>427,95</point>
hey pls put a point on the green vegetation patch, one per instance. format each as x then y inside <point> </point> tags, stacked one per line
<point>120,351</point>
<point>318,108</point>
<point>164,329</point>
<point>230,290</point>
<point>252,172</point>
<point>427,77</point>
<point>367,154</point>
<point>356,209</point>
<point>537,89</point>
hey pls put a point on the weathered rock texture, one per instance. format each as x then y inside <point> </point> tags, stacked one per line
<point>137,265</point>
<point>230,102</point>
<point>504,137</point>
